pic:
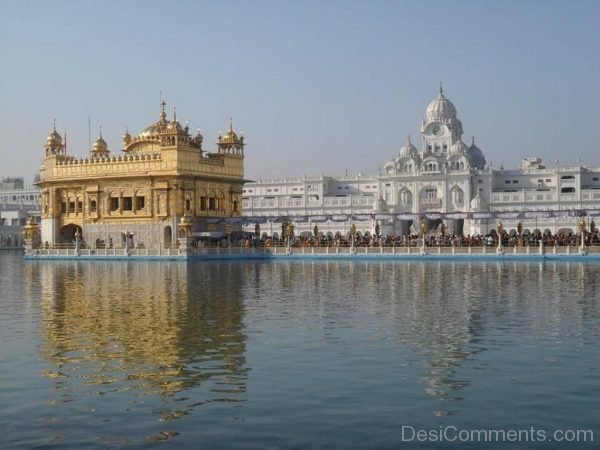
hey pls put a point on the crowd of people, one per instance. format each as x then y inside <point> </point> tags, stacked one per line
<point>431,240</point>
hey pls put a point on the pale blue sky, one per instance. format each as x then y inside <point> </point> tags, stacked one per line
<point>317,87</point>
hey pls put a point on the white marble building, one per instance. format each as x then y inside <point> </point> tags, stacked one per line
<point>445,180</point>
<point>17,202</point>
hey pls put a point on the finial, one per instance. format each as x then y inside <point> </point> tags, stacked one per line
<point>408,139</point>
<point>472,140</point>
<point>100,130</point>
<point>54,124</point>
<point>163,115</point>
<point>441,88</point>
<point>174,113</point>
<point>230,124</point>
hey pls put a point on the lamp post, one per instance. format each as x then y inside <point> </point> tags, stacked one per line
<point>352,234</point>
<point>520,233</point>
<point>423,227</point>
<point>500,248</point>
<point>442,232</point>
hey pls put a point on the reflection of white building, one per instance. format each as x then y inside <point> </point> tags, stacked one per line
<point>445,180</point>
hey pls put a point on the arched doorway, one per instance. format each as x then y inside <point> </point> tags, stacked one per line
<point>67,233</point>
<point>168,237</point>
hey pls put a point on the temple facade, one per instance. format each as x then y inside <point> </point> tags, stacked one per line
<point>162,177</point>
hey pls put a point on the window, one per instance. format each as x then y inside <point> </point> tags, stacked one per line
<point>79,205</point>
<point>63,207</point>
<point>595,179</point>
<point>188,204</point>
<point>212,203</point>
<point>567,177</point>
<point>71,207</point>
<point>235,206</point>
<point>114,204</point>
<point>140,202</point>
<point>445,147</point>
<point>567,190</point>
<point>127,203</point>
<point>506,181</point>
<point>515,181</point>
<point>93,206</point>
<point>202,203</point>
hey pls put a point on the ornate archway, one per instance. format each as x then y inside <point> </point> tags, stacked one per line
<point>67,233</point>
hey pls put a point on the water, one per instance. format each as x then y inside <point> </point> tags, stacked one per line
<point>294,354</point>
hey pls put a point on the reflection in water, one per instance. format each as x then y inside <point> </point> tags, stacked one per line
<point>152,342</point>
<point>154,329</point>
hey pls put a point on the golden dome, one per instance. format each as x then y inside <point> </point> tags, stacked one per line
<point>54,139</point>
<point>230,137</point>
<point>100,145</point>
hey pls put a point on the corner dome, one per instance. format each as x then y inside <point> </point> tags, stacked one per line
<point>54,139</point>
<point>458,148</point>
<point>408,150</point>
<point>100,144</point>
<point>476,156</point>
<point>230,137</point>
<point>440,109</point>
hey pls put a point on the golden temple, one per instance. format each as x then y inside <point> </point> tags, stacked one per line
<point>162,178</point>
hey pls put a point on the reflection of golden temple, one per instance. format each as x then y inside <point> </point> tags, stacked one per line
<point>147,327</point>
<point>164,174</point>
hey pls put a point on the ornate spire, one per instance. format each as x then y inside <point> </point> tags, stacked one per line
<point>441,88</point>
<point>230,124</point>
<point>174,114</point>
<point>163,115</point>
<point>54,125</point>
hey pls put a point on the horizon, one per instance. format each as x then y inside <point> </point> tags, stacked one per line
<point>317,89</point>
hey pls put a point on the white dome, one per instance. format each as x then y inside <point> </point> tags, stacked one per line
<point>476,156</point>
<point>408,150</point>
<point>459,148</point>
<point>440,109</point>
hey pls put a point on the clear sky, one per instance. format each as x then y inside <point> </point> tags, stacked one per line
<point>317,87</point>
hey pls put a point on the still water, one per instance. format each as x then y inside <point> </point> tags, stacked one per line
<point>294,354</point>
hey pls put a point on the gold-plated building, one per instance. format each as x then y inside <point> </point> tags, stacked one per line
<point>162,175</point>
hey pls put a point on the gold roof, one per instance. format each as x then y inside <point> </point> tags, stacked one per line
<point>230,137</point>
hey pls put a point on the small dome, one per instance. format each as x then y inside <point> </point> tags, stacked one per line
<point>458,148</point>
<point>100,144</point>
<point>476,156</point>
<point>54,139</point>
<point>127,137</point>
<point>408,150</point>
<point>174,126</point>
<point>230,137</point>
<point>440,109</point>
